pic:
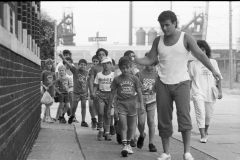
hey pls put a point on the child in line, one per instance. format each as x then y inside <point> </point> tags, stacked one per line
<point>92,108</point>
<point>62,85</point>
<point>126,85</point>
<point>69,75</point>
<point>47,78</point>
<point>101,92</point>
<point>80,88</point>
<point>147,78</point>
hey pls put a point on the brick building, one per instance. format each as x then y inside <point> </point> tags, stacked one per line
<point>19,78</point>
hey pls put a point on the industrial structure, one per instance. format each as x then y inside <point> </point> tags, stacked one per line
<point>65,29</point>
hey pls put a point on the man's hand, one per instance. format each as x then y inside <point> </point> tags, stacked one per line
<point>109,110</point>
<point>93,96</point>
<point>220,95</point>
<point>60,55</point>
<point>217,76</point>
<point>142,109</point>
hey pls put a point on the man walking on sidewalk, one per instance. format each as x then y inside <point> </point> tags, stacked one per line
<point>173,82</point>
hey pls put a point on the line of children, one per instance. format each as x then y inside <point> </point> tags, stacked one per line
<point>92,107</point>
<point>125,85</point>
<point>80,88</point>
<point>100,53</point>
<point>62,85</point>
<point>147,78</point>
<point>101,93</point>
<point>47,78</point>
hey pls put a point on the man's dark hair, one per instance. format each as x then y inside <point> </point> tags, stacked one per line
<point>113,62</point>
<point>124,61</point>
<point>204,44</point>
<point>95,57</point>
<point>167,15</point>
<point>68,59</point>
<point>82,61</point>
<point>128,53</point>
<point>67,52</point>
<point>102,49</point>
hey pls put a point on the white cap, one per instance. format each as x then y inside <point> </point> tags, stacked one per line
<point>106,59</point>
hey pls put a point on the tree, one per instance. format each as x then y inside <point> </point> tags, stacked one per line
<point>46,36</point>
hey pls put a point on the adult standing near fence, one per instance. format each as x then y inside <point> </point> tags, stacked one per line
<point>202,89</point>
<point>173,84</point>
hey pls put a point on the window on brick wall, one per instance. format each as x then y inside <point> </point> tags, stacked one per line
<point>11,20</point>
<point>1,13</point>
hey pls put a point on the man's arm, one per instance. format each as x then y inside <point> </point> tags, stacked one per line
<point>110,101</point>
<point>200,55</point>
<point>64,60</point>
<point>151,57</point>
<point>91,80</point>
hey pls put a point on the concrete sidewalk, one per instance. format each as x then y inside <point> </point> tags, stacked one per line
<point>56,141</point>
<point>64,141</point>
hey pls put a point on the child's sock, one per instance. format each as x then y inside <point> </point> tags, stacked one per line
<point>124,142</point>
<point>100,126</point>
<point>128,142</point>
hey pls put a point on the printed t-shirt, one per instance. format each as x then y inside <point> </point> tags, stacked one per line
<point>47,77</point>
<point>79,80</point>
<point>63,84</point>
<point>126,86</point>
<point>104,81</point>
<point>202,80</point>
<point>70,77</point>
<point>147,80</point>
<point>96,69</point>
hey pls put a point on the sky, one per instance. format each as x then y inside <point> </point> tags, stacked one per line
<point>111,18</point>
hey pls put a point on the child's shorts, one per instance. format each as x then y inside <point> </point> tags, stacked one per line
<point>103,97</point>
<point>127,106</point>
<point>149,101</point>
<point>79,97</point>
<point>63,98</point>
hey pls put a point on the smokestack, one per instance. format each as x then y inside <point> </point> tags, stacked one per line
<point>130,23</point>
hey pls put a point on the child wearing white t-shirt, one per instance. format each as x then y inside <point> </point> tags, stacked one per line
<point>202,90</point>
<point>101,92</point>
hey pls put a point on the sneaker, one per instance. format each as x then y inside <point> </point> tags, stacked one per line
<point>203,140</point>
<point>187,156</point>
<point>112,130</point>
<point>99,136</point>
<point>62,120</point>
<point>94,123</point>
<point>125,151</point>
<point>140,141</point>
<point>152,148</point>
<point>97,126</point>
<point>49,120</point>
<point>164,156</point>
<point>132,143</point>
<point>54,119</point>
<point>108,137</point>
<point>75,120</point>
<point>70,120</point>
<point>84,124</point>
<point>129,149</point>
<point>119,138</point>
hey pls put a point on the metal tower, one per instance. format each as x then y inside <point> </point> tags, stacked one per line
<point>65,29</point>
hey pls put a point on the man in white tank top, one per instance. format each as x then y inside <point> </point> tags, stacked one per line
<point>172,50</point>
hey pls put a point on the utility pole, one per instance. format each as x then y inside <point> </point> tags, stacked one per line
<point>97,34</point>
<point>230,46</point>
<point>170,5</point>
<point>55,42</point>
<point>204,35</point>
<point>130,23</point>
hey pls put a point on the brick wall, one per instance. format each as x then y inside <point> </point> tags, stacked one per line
<point>19,104</point>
